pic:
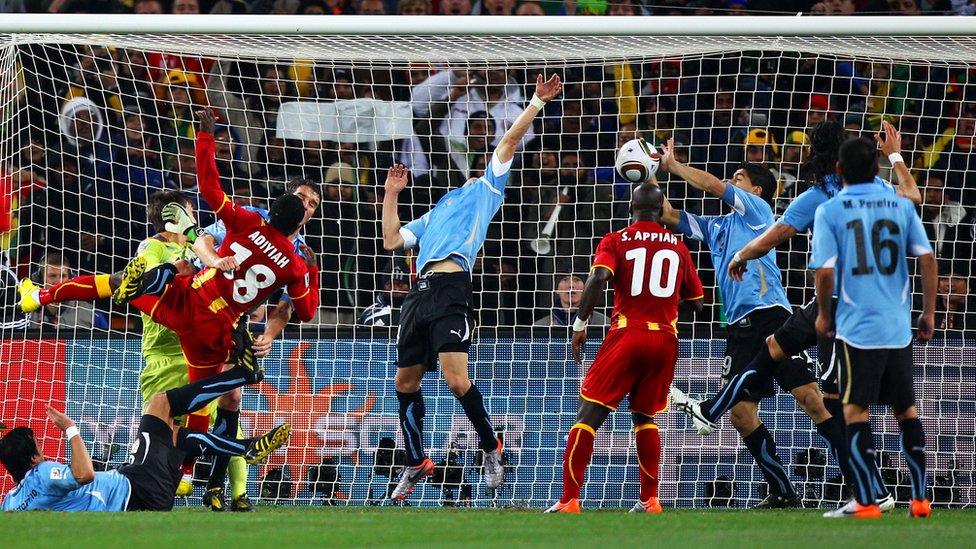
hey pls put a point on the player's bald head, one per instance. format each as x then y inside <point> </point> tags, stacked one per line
<point>647,202</point>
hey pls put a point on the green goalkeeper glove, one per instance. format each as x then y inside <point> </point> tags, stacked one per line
<point>178,220</point>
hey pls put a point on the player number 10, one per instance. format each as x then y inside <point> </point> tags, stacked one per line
<point>655,281</point>
<point>256,278</point>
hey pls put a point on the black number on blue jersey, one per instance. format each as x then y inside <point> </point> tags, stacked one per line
<point>878,245</point>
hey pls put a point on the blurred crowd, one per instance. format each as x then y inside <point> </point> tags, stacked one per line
<point>101,129</point>
<point>499,7</point>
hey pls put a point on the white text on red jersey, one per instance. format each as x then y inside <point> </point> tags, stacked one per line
<point>269,249</point>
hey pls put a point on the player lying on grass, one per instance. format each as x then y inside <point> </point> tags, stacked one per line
<point>437,318</point>
<point>652,272</point>
<point>861,238</point>
<point>797,334</point>
<point>147,482</point>
<point>227,417</point>
<point>205,308</point>
<point>756,307</point>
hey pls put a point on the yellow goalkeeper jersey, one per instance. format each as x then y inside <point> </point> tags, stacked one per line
<point>157,340</point>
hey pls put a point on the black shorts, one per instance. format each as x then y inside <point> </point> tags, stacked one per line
<point>153,469</point>
<point>876,376</point>
<point>799,333</point>
<point>747,336</point>
<point>437,316</point>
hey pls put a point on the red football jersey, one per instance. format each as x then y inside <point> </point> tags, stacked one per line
<point>267,259</point>
<point>652,271</point>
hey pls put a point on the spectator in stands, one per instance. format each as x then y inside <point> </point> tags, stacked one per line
<point>456,7</point>
<point>904,7</point>
<point>761,147</point>
<point>951,154</point>
<point>55,269</point>
<point>796,150</point>
<point>955,315</point>
<point>180,96</point>
<point>817,109</point>
<point>491,91</point>
<point>414,7</point>
<point>568,293</point>
<point>181,167</point>
<point>624,8</point>
<point>148,7</point>
<point>385,311</point>
<point>495,7</point>
<point>531,7</point>
<point>372,7</point>
<point>943,220</point>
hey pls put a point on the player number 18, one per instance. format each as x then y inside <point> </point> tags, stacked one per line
<point>660,286</point>
<point>256,278</point>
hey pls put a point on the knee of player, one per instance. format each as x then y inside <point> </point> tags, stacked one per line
<point>775,351</point>
<point>908,413</point>
<point>810,399</point>
<point>230,400</point>
<point>640,419</point>
<point>458,385</point>
<point>744,418</point>
<point>158,406</point>
<point>406,385</point>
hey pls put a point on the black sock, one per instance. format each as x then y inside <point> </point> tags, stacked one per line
<point>861,446</point>
<point>194,396</point>
<point>762,446</point>
<point>834,433</point>
<point>226,425</point>
<point>195,444</point>
<point>913,446</point>
<point>474,408</point>
<point>412,425</point>
<point>740,386</point>
<point>155,280</point>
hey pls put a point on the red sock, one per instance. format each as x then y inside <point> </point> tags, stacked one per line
<point>579,450</point>
<point>79,288</point>
<point>648,458</point>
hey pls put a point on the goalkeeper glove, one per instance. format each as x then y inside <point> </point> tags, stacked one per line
<point>178,220</point>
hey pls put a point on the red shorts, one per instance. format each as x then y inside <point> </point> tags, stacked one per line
<point>205,336</point>
<point>633,362</point>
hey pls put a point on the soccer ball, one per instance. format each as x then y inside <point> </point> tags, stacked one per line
<point>634,161</point>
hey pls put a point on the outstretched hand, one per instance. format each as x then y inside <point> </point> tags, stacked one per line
<point>549,89</point>
<point>308,255</point>
<point>666,156</point>
<point>892,139</point>
<point>59,419</point>
<point>208,120</point>
<point>396,179</point>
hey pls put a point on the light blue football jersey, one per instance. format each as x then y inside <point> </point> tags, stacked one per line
<point>50,486</point>
<point>456,227</point>
<point>762,285</point>
<point>865,234</point>
<point>800,213</point>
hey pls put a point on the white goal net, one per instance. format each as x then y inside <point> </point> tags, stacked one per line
<point>91,125</point>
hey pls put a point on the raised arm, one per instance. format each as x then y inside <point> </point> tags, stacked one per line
<point>596,283</point>
<point>305,292</point>
<point>698,179</point>
<point>396,181</point>
<point>544,91</point>
<point>758,247</point>
<point>208,177</point>
<point>891,147</point>
<point>205,248</point>
<point>81,463</point>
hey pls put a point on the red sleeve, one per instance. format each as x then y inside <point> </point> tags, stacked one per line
<point>606,253</point>
<point>208,179</point>
<point>304,293</point>
<point>691,286</point>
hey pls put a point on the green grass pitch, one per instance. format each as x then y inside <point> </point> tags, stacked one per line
<point>286,527</point>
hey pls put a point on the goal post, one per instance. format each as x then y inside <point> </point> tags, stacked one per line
<point>97,114</point>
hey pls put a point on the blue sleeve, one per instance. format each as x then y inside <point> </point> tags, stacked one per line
<point>918,241</point>
<point>412,232</point>
<point>218,231</point>
<point>754,210</point>
<point>799,214</point>
<point>496,175</point>
<point>694,226</point>
<point>825,249</point>
<point>56,478</point>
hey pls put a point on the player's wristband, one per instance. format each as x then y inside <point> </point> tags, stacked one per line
<point>579,325</point>
<point>737,258</point>
<point>71,432</point>
<point>537,102</point>
<point>895,158</point>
